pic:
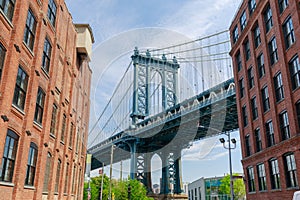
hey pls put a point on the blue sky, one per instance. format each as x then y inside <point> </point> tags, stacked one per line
<point>191,18</point>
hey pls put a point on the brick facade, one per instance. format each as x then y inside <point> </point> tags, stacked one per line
<point>66,85</point>
<point>262,149</point>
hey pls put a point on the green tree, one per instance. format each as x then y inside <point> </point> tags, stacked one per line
<point>95,185</point>
<point>137,190</point>
<point>238,187</point>
<point>119,189</point>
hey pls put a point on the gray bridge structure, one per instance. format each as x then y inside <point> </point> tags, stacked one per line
<point>166,133</point>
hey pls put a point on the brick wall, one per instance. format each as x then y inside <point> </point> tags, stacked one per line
<point>64,84</point>
<point>287,104</point>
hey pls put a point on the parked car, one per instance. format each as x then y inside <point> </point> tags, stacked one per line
<point>296,195</point>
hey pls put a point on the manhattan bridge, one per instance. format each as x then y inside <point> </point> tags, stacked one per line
<point>166,99</point>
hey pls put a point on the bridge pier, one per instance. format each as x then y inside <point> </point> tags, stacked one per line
<point>171,173</point>
<point>133,160</point>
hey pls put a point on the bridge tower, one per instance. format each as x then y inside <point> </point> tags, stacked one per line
<point>144,67</point>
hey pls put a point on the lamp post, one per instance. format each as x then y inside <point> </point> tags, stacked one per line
<point>222,140</point>
<point>229,147</point>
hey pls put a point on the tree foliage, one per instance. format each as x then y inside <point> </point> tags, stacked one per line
<point>238,187</point>
<point>120,189</point>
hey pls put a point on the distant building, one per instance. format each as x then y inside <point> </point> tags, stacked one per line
<point>265,38</point>
<point>156,189</point>
<point>185,188</point>
<point>207,189</point>
<point>44,100</point>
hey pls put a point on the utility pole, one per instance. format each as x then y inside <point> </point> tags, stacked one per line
<point>101,189</point>
<point>121,169</point>
<point>110,170</point>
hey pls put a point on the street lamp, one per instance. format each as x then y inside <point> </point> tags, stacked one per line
<point>229,147</point>
<point>233,141</point>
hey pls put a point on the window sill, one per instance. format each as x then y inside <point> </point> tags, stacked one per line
<point>20,113</point>
<point>254,192</point>
<point>8,22</point>
<point>28,50</point>
<point>53,136</point>
<point>263,191</point>
<point>276,190</point>
<point>293,188</point>
<point>62,142</point>
<point>9,184</point>
<point>29,187</point>
<point>37,125</point>
<point>45,73</point>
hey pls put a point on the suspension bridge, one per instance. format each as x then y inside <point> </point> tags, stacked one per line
<point>166,99</point>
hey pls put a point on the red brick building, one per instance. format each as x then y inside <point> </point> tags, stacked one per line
<point>265,38</point>
<point>44,100</point>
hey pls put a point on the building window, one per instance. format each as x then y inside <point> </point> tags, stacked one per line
<point>258,140</point>
<point>278,87</point>
<point>39,108</point>
<point>9,156</point>
<point>242,88</point>
<point>245,116</point>
<point>298,113</point>
<point>2,56</point>
<point>238,60</point>
<point>66,178</point>
<point>288,31</point>
<point>261,65</point>
<point>270,133</point>
<point>52,12</point>
<point>46,55</point>
<point>20,89</point>
<point>31,164</point>
<point>251,6</point>
<point>235,34</point>
<point>53,120</point>
<point>57,176</point>
<point>273,51</point>
<point>71,135</point>
<point>251,77</point>
<point>247,145</point>
<point>251,184</point>
<point>257,39</point>
<point>295,72</point>
<point>7,7</point>
<point>282,5</point>
<point>268,18</point>
<point>77,140</point>
<point>274,173</point>
<point>261,173</point>
<point>284,125</point>
<point>247,49</point>
<point>30,29</point>
<point>254,108</point>
<point>73,181</point>
<point>63,128</point>
<point>265,99</point>
<point>47,172</point>
<point>290,170</point>
<point>243,20</point>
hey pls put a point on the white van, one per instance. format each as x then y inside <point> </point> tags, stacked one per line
<point>296,195</point>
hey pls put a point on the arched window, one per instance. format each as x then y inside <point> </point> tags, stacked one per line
<point>47,172</point>
<point>9,156</point>
<point>31,164</point>
<point>57,175</point>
